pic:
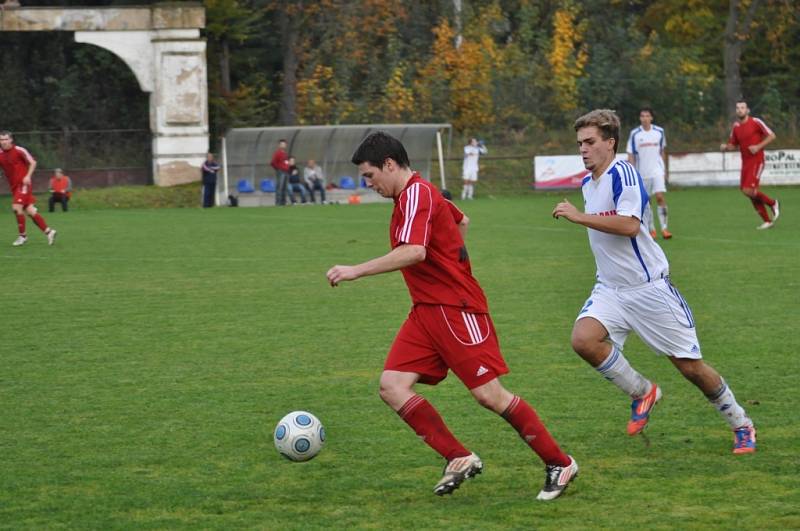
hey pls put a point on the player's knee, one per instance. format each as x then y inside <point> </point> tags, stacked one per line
<point>390,389</point>
<point>583,344</point>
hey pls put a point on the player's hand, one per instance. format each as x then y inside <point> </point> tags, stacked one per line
<point>339,273</point>
<point>753,149</point>
<point>567,210</point>
<point>723,147</point>
<point>26,180</point>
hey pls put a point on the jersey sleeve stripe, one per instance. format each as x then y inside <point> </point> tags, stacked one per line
<point>27,154</point>
<point>764,127</point>
<point>411,210</point>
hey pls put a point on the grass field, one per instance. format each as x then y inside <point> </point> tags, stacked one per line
<point>147,356</point>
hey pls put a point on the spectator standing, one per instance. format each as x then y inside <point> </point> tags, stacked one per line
<point>280,163</point>
<point>60,190</point>
<point>210,169</point>
<point>294,182</point>
<point>315,180</point>
<point>472,153</point>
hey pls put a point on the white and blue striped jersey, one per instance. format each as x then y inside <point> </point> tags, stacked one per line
<point>647,148</point>
<point>622,261</point>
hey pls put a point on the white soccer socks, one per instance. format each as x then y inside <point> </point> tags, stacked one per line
<point>729,408</point>
<point>618,371</point>
<point>662,216</point>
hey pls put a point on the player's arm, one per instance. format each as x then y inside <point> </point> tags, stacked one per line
<point>401,256</point>
<point>31,168</point>
<point>761,145</point>
<point>619,225</point>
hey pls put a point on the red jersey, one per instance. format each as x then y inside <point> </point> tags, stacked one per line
<point>280,160</point>
<point>422,216</point>
<point>748,133</point>
<point>15,164</point>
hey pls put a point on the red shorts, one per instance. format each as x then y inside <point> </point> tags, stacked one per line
<point>751,174</point>
<point>23,195</point>
<point>434,339</point>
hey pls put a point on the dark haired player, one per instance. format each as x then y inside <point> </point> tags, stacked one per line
<point>449,326</point>
<point>18,165</point>
<point>751,134</point>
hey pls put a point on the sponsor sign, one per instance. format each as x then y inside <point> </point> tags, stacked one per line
<point>715,168</point>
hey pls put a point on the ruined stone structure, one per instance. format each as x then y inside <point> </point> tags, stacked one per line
<point>163,47</point>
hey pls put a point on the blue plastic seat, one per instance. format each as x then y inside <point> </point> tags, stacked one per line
<point>267,185</point>
<point>244,187</point>
<point>347,183</point>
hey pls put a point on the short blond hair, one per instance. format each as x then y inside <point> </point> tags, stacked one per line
<point>605,120</point>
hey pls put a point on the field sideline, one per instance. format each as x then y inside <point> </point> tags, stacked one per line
<point>147,356</point>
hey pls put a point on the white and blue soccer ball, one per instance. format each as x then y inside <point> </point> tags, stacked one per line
<point>299,436</point>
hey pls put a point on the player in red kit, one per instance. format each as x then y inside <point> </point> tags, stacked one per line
<point>751,134</point>
<point>18,165</point>
<point>449,326</point>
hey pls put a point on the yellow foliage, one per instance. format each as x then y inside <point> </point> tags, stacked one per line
<point>467,72</point>
<point>398,99</point>
<point>319,97</point>
<point>567,59</point>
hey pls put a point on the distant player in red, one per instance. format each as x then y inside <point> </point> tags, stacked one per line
<point>751,134</point>
<point>18,165</point>
<point>449,326</point>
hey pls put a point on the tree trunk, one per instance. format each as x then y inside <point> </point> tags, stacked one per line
<point>458,22</point>
<point>735,36</point>
<point>288,109</point>
<point>225,67</point>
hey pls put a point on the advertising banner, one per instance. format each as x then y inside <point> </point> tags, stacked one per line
<point>715,168</point>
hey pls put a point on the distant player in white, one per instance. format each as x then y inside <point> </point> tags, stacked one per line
<point>647,152</point>
<point>472,153</point>
<point>633,292</point>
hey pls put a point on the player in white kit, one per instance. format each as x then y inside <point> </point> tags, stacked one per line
<point>646,151</point>
<point>472,153</point>
<point>633,292</point>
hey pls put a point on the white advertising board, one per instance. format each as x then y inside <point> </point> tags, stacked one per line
<point>715,168</point>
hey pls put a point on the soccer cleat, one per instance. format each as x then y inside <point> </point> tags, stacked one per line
<point>51,237</point>
<point>776,211</point>
<point>765,225</point>
<point>653,234</point>
<point>744,440</point>
<point>556,479</point>
<point>20,241</point>
<point>641,409</point>
<point>456,471</point>
<point>666,234</point>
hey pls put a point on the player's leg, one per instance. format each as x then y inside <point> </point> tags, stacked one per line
<point>464,189</point>
<point>20,217</point>
<point>560,468</point>
<point>598,336</point>
<point>397,391</point>
<point>665,322</point>
<point>764,198</point>
<point>413,359</point>
<point>708,380</point>
<point>749,187</point>
<point>659,190</point>
<point>469,346</point>
<point>37,218</point>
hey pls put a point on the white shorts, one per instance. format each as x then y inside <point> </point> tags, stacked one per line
<point>470,175</point>
<point>655,184</point>
<point>655,311</point>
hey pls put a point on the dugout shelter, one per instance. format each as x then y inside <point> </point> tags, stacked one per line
<point>246,152</point>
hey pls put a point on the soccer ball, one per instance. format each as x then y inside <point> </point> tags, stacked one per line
<point>299,436</point>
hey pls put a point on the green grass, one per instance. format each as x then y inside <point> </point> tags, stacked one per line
<point>146,357</point>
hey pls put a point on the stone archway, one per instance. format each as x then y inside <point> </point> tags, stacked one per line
<point>161,44</point>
